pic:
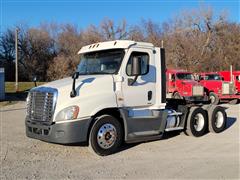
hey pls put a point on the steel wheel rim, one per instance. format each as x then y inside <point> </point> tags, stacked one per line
<point>106,136</point>
<point>199,122</point>
<point>219,119</point>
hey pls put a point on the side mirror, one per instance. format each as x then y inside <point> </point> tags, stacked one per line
<point>35,80</point>
<point>238,78</point>
<point>136,70</point>
<point>136,66</point>
<point>75,75</point>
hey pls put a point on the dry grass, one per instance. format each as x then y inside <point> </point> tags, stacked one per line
<point>12,97</point>
<point>22,86</point>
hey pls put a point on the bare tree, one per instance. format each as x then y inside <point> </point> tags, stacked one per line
<point>64,64</point>
<point>196,40</point>
<point>7,55</point>
<point>111,31</point>
<point>192,41</point>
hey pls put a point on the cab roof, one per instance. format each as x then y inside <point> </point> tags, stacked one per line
<point>209,73</point>
<point>118,44</point>
<point>177,71</point>
<point>234,72</point>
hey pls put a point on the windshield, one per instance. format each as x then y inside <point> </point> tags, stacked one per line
<point>238,78</point>
<point>213,77</point>
<point>185,76</point>
<point>101,62</point>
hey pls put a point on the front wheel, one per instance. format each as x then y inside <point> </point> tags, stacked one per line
<point>177,96</point>
<point>106,135</point>
<point>196,122</point>
<point>214,99</point>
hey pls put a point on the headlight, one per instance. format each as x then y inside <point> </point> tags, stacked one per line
<point>68,113</point>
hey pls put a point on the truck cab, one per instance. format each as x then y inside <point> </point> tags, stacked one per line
<point>181,84</point>
<point>235,78</point>
<point>218,89</point>
<point>116,95</point>
<point>236,75</point>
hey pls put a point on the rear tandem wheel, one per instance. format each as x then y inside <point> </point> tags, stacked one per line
<point>217,119</point>
<point>196,122</point>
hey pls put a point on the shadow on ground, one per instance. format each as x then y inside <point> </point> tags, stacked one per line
<point>230,122</point>
<point>126,146</point>
<point>166,135</point>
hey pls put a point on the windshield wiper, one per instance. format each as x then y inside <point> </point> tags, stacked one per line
<point>85,73</point>
<point>101,73</point>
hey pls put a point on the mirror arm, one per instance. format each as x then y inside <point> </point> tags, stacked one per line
<point>134,80</point>
<point>73,92</point>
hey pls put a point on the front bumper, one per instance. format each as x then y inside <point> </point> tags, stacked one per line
<point>61,133</point>
<point>232,96</point>
<point>196,98</point>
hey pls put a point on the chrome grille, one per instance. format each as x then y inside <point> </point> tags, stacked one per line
<point>228,88</point>
<point>41,104</point>
<point>197,91</point>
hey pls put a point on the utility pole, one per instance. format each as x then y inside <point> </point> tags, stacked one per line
<point>16,59</point>
<point>162,44</point>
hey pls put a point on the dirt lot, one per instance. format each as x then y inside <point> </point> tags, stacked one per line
<point>213,156</point>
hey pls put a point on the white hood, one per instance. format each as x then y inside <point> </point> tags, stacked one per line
<point>92,91</point>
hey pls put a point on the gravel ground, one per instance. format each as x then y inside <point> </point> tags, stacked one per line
<point>213,156</point>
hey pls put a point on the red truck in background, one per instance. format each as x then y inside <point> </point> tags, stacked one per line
<point>218,89</point>
<point>235,78</point>
<point>182,85</point>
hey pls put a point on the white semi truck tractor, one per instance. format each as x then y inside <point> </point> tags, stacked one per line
<point>116,95</point>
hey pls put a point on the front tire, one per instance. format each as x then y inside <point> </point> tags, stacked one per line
<point>106,135</point>
<point>214,99</point>
<point>196,122</point>
<point>177,96</point>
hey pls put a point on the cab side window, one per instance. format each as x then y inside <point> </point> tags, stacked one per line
<point>144,57</point>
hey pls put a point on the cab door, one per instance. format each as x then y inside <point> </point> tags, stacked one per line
<point>142,92</point>
<point>138,97</point>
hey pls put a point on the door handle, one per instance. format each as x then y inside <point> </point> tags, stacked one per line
<point>149,95</point>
